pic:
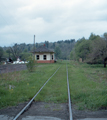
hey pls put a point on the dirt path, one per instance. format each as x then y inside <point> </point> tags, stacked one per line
<point>12,67</point>
<point>53,110</point>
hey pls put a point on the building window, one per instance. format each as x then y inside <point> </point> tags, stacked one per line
<point>52,57</point>
<point>37,57</point>
<point>44,57</point>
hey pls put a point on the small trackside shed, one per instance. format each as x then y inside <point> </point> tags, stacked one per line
<point>43,55</point>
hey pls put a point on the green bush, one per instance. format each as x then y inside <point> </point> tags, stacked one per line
<point>31,65</point>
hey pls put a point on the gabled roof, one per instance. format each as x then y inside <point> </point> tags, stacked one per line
<point>42,49</point>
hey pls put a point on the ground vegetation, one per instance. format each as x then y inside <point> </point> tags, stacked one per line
<point>88,85</point>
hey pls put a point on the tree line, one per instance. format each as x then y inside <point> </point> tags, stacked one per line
<point>62,49</point>
<point>92,50</point>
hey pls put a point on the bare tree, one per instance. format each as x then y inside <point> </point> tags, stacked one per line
<point>15,50</point>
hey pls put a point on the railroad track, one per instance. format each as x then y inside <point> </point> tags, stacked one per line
<point>30,102</point>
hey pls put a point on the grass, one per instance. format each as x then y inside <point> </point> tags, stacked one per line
<point>24,84</point>
<point>56,88</point>
<point>88,85</point>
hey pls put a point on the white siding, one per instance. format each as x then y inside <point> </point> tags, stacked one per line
<point>48,56</point>
<point>35,57</point>
<point>41,57</point>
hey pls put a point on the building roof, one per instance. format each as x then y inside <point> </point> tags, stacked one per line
<point>42,49</point>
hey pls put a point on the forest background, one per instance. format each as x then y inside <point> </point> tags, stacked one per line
<point>92,50</point>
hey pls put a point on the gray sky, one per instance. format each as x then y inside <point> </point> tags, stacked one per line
<point>50,20</point>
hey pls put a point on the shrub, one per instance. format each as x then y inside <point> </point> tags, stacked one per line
<point>30,65</point>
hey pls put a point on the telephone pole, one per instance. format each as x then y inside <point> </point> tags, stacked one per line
<point>34,48</point>
<point>34,42</point>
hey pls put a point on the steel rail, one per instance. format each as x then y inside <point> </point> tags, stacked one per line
<point>69,99</point>
<point>34,97</point>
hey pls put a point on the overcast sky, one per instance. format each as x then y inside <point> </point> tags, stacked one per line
<point>50,20</point>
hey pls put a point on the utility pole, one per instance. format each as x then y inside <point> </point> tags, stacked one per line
<point>34,42</point>
<point>34,48</point>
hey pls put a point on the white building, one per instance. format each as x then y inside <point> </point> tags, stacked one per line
<point>44,55</point>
